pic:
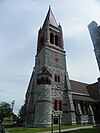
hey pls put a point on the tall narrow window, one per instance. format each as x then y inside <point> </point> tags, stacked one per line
<point>56,40</point>
<point>42,80</point>
<point>55,105</point>
<point>60,105</point>
<point>51,38</point>
<point>56,78</point>
<point>49,82</point>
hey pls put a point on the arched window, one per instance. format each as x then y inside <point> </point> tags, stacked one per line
<point>56,78</point>
<point>56,40</point>
<point>60,105</point>
<point>44,80</point>
<point>55,105</point>
<point>47,80</point>
<point>51,38</point>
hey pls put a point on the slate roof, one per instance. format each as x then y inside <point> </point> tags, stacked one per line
<point>80,91</point>
<point>79,87</point>
<point>50,17</point>
<point>94,91</point>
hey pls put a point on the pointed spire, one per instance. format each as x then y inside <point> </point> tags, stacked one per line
<point>50,18</point>
<point>49,7</point>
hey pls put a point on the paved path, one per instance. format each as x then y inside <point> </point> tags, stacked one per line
<point>70,129</point>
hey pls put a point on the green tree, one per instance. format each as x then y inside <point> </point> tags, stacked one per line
<point>5,110</point>
<point>21,114</point>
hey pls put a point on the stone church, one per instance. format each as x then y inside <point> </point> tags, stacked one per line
<point>50,92</point>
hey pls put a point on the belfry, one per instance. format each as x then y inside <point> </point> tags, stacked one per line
<point>49,90</point>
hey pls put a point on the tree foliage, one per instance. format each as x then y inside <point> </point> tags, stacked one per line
<point>5,110</point>
<point>21,111</point>
<point>21,114</point>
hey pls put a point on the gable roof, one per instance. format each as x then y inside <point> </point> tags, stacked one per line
<point>44,71</point>
<point>80,91</point>
<point>79,87</point>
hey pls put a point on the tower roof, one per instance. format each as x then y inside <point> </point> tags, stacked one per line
<point>50,17</point>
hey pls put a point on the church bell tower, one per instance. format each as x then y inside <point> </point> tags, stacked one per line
<point>49,90</point>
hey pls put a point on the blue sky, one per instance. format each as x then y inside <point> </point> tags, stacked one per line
<point>20,21</point>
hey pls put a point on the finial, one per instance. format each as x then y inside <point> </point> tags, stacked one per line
<point>49,7</point>
<point>59,25</point>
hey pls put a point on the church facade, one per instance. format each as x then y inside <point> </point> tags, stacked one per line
<point>50,92</point>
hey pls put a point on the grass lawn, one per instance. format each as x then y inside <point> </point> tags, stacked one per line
<point>35,130</point>
<point>94,130</point>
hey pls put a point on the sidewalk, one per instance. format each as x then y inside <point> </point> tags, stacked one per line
<point>70,129</point>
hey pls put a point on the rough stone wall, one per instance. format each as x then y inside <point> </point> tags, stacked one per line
<point>43,106</point>
<point>59,90</point>
<point>29,103</point>
<point>55,58</point>
<point>40,61</point>
<point>42,114</point>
